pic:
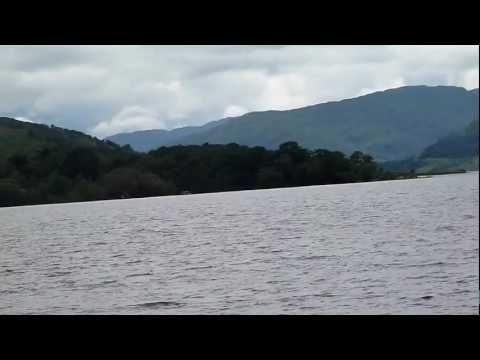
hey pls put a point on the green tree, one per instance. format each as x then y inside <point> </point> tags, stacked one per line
<point>121,182</point>
<point>81,161</point>
<point>19,161</point>
<point>10,194</point>
<point>85,190</point>
<point>58,184</point>
<point>269,177</point>
<point>149,184</point>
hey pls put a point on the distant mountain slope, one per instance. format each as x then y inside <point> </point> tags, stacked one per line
<point>453,152</point>
<point>147,140</point>
<point>460,145</point>
<point>391,124</point>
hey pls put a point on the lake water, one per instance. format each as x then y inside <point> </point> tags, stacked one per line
<point>393,247</point>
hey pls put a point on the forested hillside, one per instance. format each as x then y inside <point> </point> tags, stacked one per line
<point>41,164</point>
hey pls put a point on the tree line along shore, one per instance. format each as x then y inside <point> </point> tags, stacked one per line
<point>55,173</point>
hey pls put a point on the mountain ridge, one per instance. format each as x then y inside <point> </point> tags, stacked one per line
<point>391,124</point>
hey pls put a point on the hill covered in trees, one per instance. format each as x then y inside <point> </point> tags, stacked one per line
<point>458,145</point>
<point>456,151</point>
<point>390,125</point>
<point>41,164</point>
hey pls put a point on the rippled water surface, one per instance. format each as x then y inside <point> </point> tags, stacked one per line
<point>395,247</point>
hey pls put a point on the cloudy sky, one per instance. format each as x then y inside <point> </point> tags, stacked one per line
<point>103,90</point>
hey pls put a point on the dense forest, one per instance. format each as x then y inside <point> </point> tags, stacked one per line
<point>41,164</point>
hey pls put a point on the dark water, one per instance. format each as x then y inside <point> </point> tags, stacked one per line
<point>396,247</point>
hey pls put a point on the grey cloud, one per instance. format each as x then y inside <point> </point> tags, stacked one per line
<point>106,89</point>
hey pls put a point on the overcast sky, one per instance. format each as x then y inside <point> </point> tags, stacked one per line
<point>104,90</point>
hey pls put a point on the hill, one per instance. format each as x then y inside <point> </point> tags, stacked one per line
<point>391,125</point>
<point>147,140</point>
<point>456,151</point>
<point>457,145</point>
<point>23,137</point>
<point>41,164</point>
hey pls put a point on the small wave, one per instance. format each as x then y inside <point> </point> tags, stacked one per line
<point>396,263</point>
<point>427,297</point>
<point>314,257</point>
<point>416,277</point>
<point>242,263</point>
<point>462,291</point>
<point>356,281</point>
<point>200,267</point>
<point>156,304</point>
<point>324,294</point>
<point>372,296</point>
<point>144,274</point>
<point>134,262</point>
<point>289,237</point>
<point>439,263</point>
<point>106,282</point>
<point>9,291</point>
<point>59,273</point>
<point>276,281</point>
<point>445,228</point>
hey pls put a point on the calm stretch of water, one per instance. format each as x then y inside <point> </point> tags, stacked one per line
<point>396,247</point>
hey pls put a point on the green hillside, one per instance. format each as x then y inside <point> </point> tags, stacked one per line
<point>391,125</point>
<point>459,145</point>
<point>23,137</point>
<point>41,164</point>
<point>440,165</point>
<point>455,152</point>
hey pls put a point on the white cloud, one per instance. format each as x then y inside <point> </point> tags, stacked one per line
<point>470,79</point>
<point>382,86</point>
<point>285,91</point>
<point>106,89</point>
<point>128,119</point>
<point>234,110</point>
<point>24,119</point>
